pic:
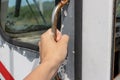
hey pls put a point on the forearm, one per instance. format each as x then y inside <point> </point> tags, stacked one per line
<point>45,71</point>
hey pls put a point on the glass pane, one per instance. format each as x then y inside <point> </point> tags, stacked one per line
<point>118,8</point>
<point>27,19</point>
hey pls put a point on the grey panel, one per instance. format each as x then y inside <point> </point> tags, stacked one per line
<point>68,28</point>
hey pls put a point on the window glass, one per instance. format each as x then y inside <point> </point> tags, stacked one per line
<point>27,19</point>
<point>118,8</point>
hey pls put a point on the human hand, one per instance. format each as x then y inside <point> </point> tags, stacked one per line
<point>53,51</point>
<point>52,54</point>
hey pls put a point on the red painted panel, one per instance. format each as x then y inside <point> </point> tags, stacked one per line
<point>5,73</point>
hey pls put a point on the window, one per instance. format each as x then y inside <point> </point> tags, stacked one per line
<point>26,20</point>
<point>118,8</point>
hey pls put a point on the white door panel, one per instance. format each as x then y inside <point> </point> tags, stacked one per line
<point>97,39</point>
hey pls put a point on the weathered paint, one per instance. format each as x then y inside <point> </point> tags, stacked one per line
<point>18,61</point>
<point>21,61</point>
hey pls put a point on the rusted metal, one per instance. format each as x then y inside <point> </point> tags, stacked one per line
<point>55,14</point>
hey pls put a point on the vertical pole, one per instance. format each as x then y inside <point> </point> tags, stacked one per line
<point>78,39</point>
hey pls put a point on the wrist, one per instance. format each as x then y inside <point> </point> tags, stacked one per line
<point>51,67</point>
<point>52,64</point>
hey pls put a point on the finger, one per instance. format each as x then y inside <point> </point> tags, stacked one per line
<point>64,39</point>
<point>59,35</point>
<point>41,55</point>
<point>50,32</point>
<point>39,43</point>
<point>47,35</point>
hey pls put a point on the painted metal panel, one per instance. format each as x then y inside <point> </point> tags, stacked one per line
<point>21,61</point>
<point>68,28</point>
<point>97,39</point>
<point>18,61</point>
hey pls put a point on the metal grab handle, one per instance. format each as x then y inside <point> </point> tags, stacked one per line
<point>55,16</point>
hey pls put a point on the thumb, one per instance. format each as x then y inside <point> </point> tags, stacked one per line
<point>59,35</point>
<point>64,39</point>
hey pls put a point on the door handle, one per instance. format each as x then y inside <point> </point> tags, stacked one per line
<point>55,14</point>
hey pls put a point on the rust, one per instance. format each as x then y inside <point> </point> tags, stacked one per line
<point>55,16</point>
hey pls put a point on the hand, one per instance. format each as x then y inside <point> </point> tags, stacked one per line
<point>53,51</point>
<point>52,54</point>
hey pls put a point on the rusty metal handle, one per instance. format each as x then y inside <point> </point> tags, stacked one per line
<point>55,14</point>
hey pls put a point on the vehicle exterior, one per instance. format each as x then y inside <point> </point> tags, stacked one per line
<point>89,25</point>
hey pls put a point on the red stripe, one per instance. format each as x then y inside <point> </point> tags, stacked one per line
<point>5,73</point>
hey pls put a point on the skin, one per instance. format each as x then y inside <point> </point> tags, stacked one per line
<point>52,54</point>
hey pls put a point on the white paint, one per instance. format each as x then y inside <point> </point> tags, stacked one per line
<point>62,26</point>
<point>66,77</point>
<point>65,13</point>
<point>5,56</point>
<point>97,39</point>
<point>21,66</point>
<point>1,77</point>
